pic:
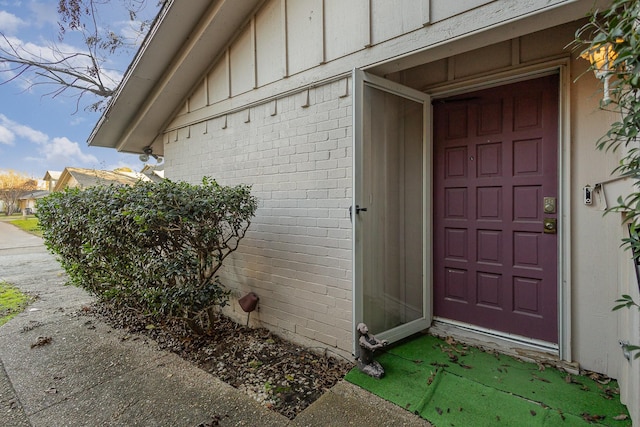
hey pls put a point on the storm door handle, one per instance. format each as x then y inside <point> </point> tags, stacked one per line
<point>358,210</point>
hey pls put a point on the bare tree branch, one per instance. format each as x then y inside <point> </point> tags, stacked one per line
<point>77,73</point>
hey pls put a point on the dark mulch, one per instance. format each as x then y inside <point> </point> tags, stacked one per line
<point>281,375</point>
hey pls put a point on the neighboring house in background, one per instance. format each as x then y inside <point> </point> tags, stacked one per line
<point>27,203</point>
<point>85,178</point>
<point>50,179</point>
<point>419,164</point>
<point>154,172</point>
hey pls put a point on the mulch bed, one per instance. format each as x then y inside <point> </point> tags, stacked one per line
<point>281,375</point>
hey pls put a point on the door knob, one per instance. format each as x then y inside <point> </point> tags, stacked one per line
<point>550,225</point>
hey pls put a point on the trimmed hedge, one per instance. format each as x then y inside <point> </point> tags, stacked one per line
<point>152,247</point>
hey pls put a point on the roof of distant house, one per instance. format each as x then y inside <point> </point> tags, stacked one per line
<point>38,194</point>
<point>92,177</point>
<point>52,175</point>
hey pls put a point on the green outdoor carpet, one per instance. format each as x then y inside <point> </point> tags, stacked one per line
<point>453,385</point>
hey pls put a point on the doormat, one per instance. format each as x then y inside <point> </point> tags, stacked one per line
<point>450,384</point>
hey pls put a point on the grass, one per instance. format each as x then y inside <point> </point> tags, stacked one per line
<point>30,225</point>
<point>12,302</point>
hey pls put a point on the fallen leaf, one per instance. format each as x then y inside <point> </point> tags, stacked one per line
<point>431,377</point>
<point>621,417</point>
<point>52,390</point>
<point>591,418</point>
<point>533,413</point>
<point>544,380</point>
<point>439,411</point>
<point>439,365</point>
<point>41,341</point>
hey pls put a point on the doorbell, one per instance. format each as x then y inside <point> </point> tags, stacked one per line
<point>587,192</point>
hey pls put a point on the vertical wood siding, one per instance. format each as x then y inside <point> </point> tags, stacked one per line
<point>286,37</point>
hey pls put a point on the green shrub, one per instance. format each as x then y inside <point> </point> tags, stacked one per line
<point>152,247</point>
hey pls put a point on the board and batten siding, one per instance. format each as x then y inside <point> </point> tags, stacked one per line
<point>287,37</point>
<point>296,154</point>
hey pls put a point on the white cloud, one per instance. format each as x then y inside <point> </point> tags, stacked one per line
<point>61,149</point>
<point>9,23</point>
<point>12,129</point>
<point>45,13</point>
<point>54,151</point>
<point>6,136</point>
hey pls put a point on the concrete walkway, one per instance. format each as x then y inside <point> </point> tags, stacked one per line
<point>87,374</point>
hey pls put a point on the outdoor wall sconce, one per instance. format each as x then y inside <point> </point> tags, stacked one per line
<point>148,152</point>
<point>601,59</point>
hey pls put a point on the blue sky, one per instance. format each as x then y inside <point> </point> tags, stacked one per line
<point>40,133</point>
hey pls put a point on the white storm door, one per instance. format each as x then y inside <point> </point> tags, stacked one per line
<point>391,210</point>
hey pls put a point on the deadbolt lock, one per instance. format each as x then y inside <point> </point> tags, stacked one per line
<point>550,225</point>
<point>549,205</point>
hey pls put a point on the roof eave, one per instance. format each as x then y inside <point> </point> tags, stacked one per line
<point>186,36</point>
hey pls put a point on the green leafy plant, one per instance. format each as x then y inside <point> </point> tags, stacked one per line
<point>154,247</point>
<point>613,34</point>
<point>625,302</point>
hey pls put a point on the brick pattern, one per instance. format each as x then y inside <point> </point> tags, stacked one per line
<point>297,253</point>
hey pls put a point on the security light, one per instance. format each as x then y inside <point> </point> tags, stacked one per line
<point>148,152</point>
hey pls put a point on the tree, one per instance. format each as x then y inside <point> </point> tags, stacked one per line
<point>75,72</point>
<point>14,185</point>
<point>614,34</point>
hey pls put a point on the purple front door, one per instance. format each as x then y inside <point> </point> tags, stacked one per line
<point>495,190</point>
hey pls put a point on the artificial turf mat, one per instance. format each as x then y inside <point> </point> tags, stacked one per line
<point>450,384</point>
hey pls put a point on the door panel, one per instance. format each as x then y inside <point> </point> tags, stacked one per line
<point>495,162</point>
<point>390,218</point>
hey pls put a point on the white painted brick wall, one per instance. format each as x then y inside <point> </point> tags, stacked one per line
<point>297,253</point>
